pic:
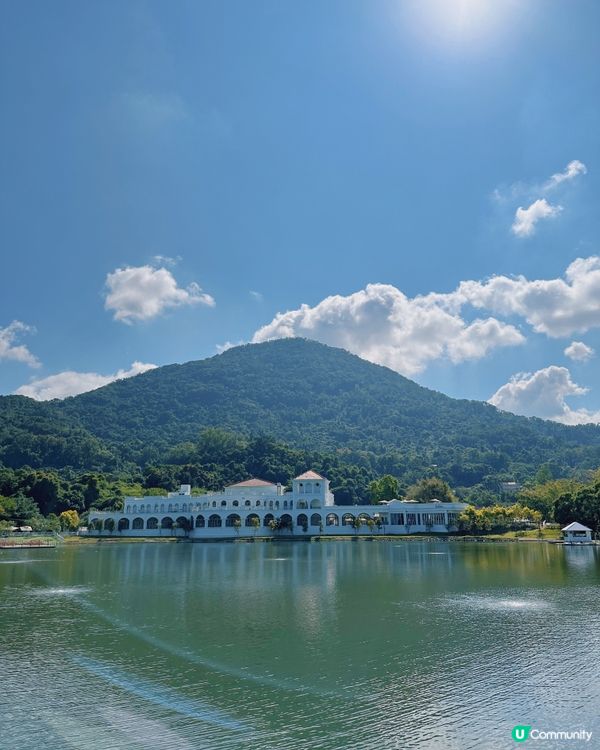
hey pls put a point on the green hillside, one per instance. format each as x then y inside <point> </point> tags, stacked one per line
<point>303,394</point>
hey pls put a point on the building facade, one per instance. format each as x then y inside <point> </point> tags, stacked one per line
<point>259,508</point>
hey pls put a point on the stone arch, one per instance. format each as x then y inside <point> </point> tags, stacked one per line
<point>347,519</point>
<point>166,523</point>
<point>285,521</point>
<point>214,521</point>
<point>302,520</point>
<point>315,519</point>
<point>315,503</point>
<point>224,503</point>
<point>182,522</point>
<point>235,503</point>
<point>332,520</point>
<point>138,523</point>
<point>95,524</point>
<point>301,504</point>
<point>250,518</point>
<point>152,523</point>
<point>268,518</point>
<point>247,504</point>
<point>200,522</point>
<point>123,524</point>
<point>232,519</point>
<point>109,524</point>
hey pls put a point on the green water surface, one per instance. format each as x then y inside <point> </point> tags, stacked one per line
<point>294,646</point>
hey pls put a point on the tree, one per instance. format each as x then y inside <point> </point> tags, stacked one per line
<point>385,488</point>
<point>431,489</point>
<point>255,523</point>
<point>69,520</point>
<point>357,523</point>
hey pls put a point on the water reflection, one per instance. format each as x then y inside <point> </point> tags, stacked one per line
<point>362,645</point>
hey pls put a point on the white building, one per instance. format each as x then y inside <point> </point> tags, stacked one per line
<point>577,533</point>
<point>259,508</point>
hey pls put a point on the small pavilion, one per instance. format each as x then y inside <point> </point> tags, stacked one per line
<point>577,533</point>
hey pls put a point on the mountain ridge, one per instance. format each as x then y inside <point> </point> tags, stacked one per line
<point>300,392</point>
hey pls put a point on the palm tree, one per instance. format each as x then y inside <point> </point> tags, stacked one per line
<point>255,523</point>
<point>357,523</point>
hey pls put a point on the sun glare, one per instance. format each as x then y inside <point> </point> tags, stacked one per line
<point>457,22</point>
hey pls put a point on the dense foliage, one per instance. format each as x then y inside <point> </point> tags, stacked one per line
<point>206,422</point>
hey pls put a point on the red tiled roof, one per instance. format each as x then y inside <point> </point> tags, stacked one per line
<point>252,483</point>
<point>310,475</point>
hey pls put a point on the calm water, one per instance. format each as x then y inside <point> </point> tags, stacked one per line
<point>296,646</point>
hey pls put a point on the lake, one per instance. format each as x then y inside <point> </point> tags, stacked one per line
<point>297,646</point>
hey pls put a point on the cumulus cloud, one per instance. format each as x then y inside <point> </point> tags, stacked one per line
<point>381,324</point>
<point>543,394</point>
<point>10,349</point>
<point>556,307</point>
<point>137,293</point>
<point>71,383</point>
<point>572,170</point>
<point>526,218</point>
<point>579,352</point>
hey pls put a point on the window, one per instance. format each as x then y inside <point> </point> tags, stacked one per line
<point>214,521</point>
<point>332,520</point>
<point>200,522</point>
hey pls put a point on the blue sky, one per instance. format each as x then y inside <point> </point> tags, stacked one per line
<point>175,175</point>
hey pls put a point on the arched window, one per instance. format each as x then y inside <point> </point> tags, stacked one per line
<point>214,504</point>
<point>235,503</point>
<point>258,503</point>
<point>315,503</point>
<point>270,503</point>
<point>109,524</point>
<point>162,507</point>
<point>251,520</point>
<point>170,508</point>
<point>301,504</point>
<point>152,523</point>
<point>123,524</point>
<point>285,503</point>
<point>138,523</point>
<point>214,521</point>
<point>224,503</point>
<point>182,522</point>
<point>315,519</point>
<point>156,507</point>
<point>268,518</point>
<point>135,508</point>
<point>302,520</point>
<point>166,523</point>
<point>277,503</point>
<point>232,520</point>
<point>247,504</point>
<point>200,522</point>
<point>332,520</point>
<point>176,508</point>
<point>347,519</point>
<point>291,503</point>
<point>142,508</point>
<point>285,521</point>
<point>184,507</point>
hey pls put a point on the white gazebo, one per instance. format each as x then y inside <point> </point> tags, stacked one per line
<point>577,533</point>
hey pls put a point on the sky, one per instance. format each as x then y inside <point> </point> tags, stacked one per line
<point>413,180</point>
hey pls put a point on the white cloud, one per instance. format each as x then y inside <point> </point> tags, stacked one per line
<point>70,383</point>
<point>572,170</point>
<point>256,296</point>
<point>143,292</point>
<point>542,394</point>
<point>10,349</point>
<point>166,260</point>
<point>579,351</point>
<point>382,325</point>
<point>556,307</point>
<point>527,218</point>
<point>227,345</point>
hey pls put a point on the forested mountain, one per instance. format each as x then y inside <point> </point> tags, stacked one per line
<point>304,394</point>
